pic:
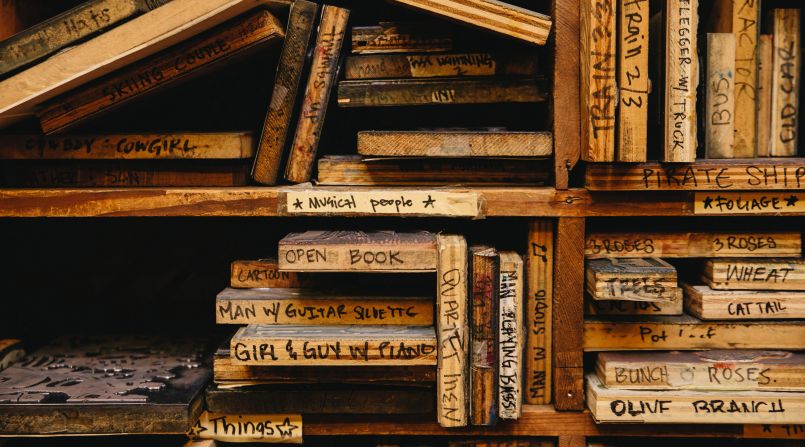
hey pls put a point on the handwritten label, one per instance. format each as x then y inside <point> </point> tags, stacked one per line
<point>748,203</point>
<point>632,408</point>
<point>335,257</point>
<point>785,82</point>
<point>473,64</point>
<point>763,273</point>
<point>538,312</point>
<point>397,202</point>
<point>785,431</point>
<point>681,67</point>
<point>691,244</point>
<point>720,113</point>
<point>509,340</point>
<point>633,77</point>
<point>268,428</point>
<point>286,352</point>
<point>745,28</point>
<point>392,37</point>
<point>621,307</point>
<point>250,274</point>
<point>599,78</point>
<point>325,311</point>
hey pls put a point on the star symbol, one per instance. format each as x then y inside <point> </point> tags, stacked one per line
<point>429,202</point>
<point>791,201</point>
<point>298,204</point>
<point>708,202</point>
<point>196,429</point>
<point>286,428</point>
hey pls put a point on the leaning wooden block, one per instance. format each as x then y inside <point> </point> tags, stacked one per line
<point>258,344</point>
<point>454,143</point>
<point>183,60</point>
<point>685,332</point>
<point>439,91</point>
<point>358,251</point>
<point>693,245</point>
<point>703,370</point>
<point>494,15</point>
<point>710,304</point>
<point>390,37</point>
<point>621,307</point>
<point>262,273</point>
<point>631,279</point>
<point>693,407</point>
<point>755,274</point>
<point>317,308</point>
<point>382,66</point>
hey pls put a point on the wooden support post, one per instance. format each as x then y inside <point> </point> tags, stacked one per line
<point>565,88</point>
<point>572,441</point>
<point>568,314</point>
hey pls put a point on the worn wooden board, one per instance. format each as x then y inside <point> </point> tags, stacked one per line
<point>74,385</point>
<point>256,29</point>
<point>439,91</point>
<point>710,304</point>
<point>568,315</point>
<point>703,370</point>
<point>720,113</point>
<point>485,267</point>
<point>351,170</point>
<point>633,80</point>
<point>511,335</point>
<point>779,431</point>
<point>134,40</point>
<point>333,345</point>
<point>773,202</point>
<point>755,274</point>
<point>321,399</point>
<point>631,279</point>
<point>380,202</point>
<point>358,251</point>
<point>245,274</point>
<point>692,407</point>
<point>704,175</point>
<point>382,66</point>
<point>323,74</point>
<point>454,143</point>
<point>319,308</point>
<point>122,173</point>
<point>598,84</point>
<point>276,126</point>
<point>538,313</point>
<point>566,91</point>
<point>178,145</point>
<point>68,28</point>
<point>453,331</point>
<point>681,75</point>
<point>693,244</point>
<point>765,64</point>
<point>239,427</point>
<point>620,307</point>
<point>492,15</point>
<point>787,61</point>
<point>689,333</point>
<point>409,37</point>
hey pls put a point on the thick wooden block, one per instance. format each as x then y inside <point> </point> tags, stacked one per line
<point>620,307</point>
<point>485,266</point>
<point>511,336</point>
<point>693,245</point>
<point>493,15</point>
<point>390,37</point>
<point>264,273</point>
<point>631,279</point>
<point>785,83</point>
<point>178,62</point>
<point>230,375</point>
<point>755,274</point>
<point>692,407</point>
<point>321,399</point>
<point>598,84</point>
<point>689,333</point>
<point>381,66</point>
<point>318,308</point>
<point>710,304</point>
<point>276,126</point>
<point>68,28</point>
<point>444,91</point>
<point>453,331</point>
<point>349,170</point>
<point>703,370</point>
<point>454,143</point>
<point>539,313</point>
<point>224,145</point>
<point>681,76</point>
<point>323,72</point>
<point>358,251</point>
<point>288,345</point>
<point>99,383</point>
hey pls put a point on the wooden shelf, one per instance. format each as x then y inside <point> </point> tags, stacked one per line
<point>537,420</point>
<point>270,201</point>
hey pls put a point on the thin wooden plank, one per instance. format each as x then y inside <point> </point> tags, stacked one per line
<point>511,335</point>
<point>485,268</point>
<point>454,143</point>
<point>773,202</point>
<point>765,63</point>
<point>755,274</point>
<point>237,427</point>
<point>694,244</point>
<point>598,84</point>
<point>633,81</point>
<point>709,304</point>
<point>720,113</point>
<point>539,304</point>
